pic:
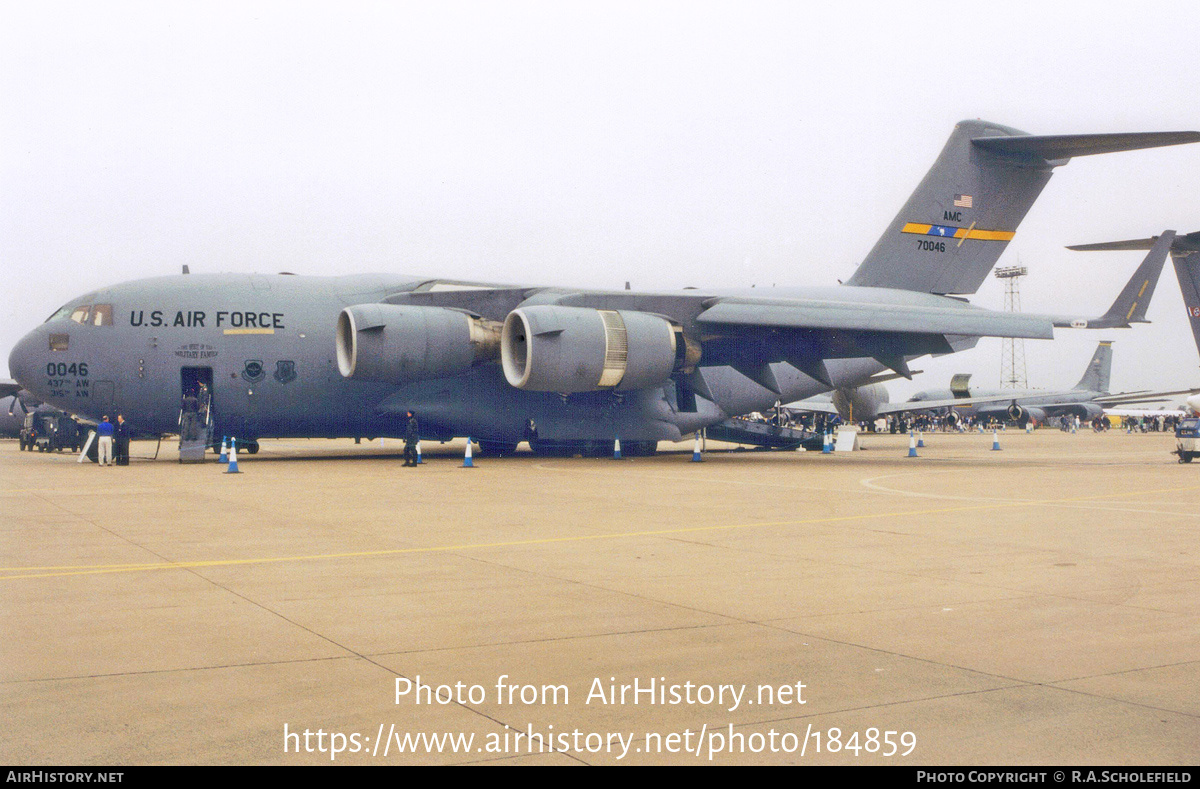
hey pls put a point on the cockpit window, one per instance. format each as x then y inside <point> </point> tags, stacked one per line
<point>102,315</point>
<point>59,342</point>
<point>62,312</point>
<point>80,315</point>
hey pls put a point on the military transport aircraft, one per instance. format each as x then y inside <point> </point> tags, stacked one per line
<point>1087,400</point>
<point>289,355</point>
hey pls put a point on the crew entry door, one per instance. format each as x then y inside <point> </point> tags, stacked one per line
<point>196,399</point>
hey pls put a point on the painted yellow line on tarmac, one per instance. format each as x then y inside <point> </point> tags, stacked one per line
<point>13,573</point>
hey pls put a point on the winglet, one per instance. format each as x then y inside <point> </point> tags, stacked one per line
<point>1184,256</point>
<point>1131,303</point>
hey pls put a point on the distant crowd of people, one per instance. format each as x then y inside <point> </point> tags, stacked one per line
<point>944,423</point>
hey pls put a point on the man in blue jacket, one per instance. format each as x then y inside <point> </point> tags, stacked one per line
<point>105,433</point>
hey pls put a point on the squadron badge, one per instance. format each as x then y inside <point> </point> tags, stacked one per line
<point>285,371</point>
<point>253,371</point>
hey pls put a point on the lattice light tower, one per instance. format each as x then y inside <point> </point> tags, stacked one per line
<point>1012,351</point>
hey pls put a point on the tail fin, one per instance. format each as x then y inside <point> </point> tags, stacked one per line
<point>1187,268</point>
<point>1099,369</point>
<point>961,217</point>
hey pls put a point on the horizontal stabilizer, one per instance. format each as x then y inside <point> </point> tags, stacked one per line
<point>1185,243</point>
<point>1064,146</point>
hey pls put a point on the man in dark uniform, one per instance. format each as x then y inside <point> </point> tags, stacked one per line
<point>121,441</point>
<point>411,437</point>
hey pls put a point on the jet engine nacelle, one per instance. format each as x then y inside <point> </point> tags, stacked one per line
<point>549,348</point>
<point>1023,414</point>
<point>860,404</point>
<point>401,344</point>
<point>1085,411</point>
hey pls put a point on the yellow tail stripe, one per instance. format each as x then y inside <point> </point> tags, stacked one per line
<point>922,229</point>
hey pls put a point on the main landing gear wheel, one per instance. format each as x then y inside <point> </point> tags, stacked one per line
<point>497,449</point>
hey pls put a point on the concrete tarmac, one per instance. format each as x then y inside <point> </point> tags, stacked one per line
<point>1036,605</point>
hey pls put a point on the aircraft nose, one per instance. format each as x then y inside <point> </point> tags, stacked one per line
<point>23,360</point>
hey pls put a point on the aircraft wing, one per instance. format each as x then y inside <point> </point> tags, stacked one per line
<point>819,314</point>
<point>821,404</point>
<point>910,406</point>
<point>9,387</point>
<point>747,333</point>
<point>1144,412</point>
<point>1141,397</point>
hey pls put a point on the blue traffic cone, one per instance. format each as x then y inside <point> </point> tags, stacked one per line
<point>921,439</point>
<point>826,447</point>
<point>995,440</point>
<point>233,467</point>
<point>419,460</point>
<point>912,445</point>
<point>696,450</point>
<point>617,448</point>
<point>467,461</point>
<point>224,450</point>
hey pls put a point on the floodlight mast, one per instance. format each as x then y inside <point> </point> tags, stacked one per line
<point>1012,351</point>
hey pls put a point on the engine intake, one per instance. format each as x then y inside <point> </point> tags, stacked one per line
<point>1023,414</point>
<point>401,344</point>
<point>548,348</point>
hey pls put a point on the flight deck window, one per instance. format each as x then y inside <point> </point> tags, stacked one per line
<point>102,315</point>
<point>80,315</point>
<point>61,313</point>
<point>59,342</point>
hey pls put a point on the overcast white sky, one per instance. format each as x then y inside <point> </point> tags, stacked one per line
<point>666,143</point>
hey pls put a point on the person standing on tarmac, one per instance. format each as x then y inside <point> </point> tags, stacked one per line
<point>104,435</point>
<point>411,437</point>
<point>121,444</point>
